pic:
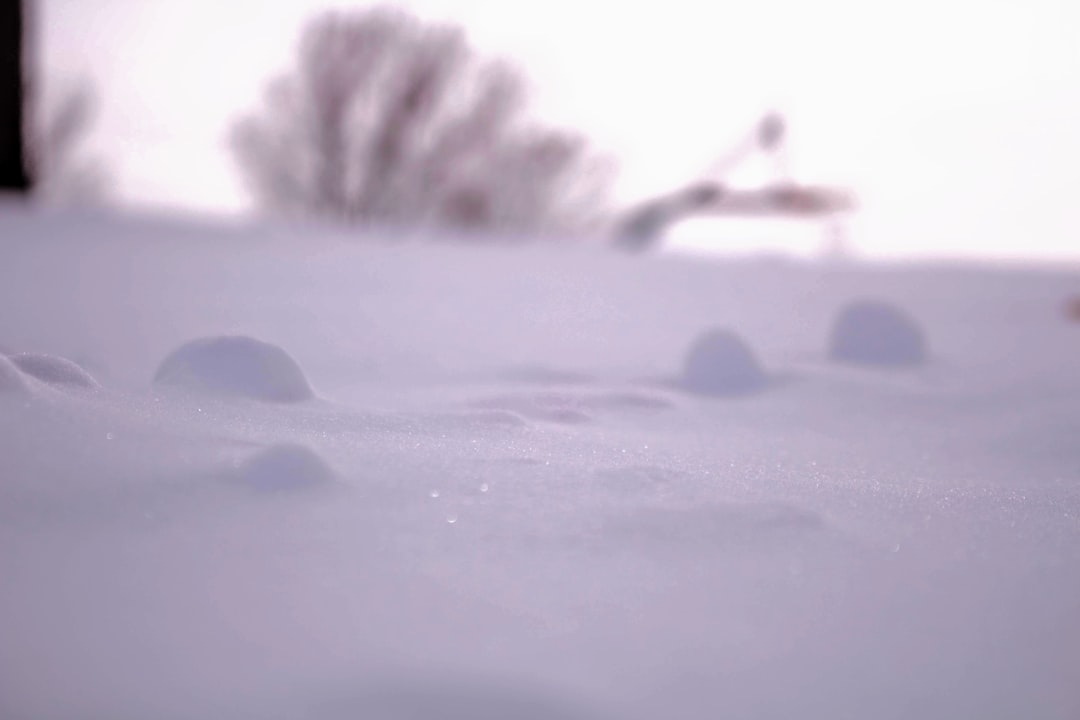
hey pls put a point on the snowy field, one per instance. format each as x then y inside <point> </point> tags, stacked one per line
<point>507,498</point>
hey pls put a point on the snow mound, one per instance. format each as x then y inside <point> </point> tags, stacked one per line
<point>235,365</point>
<point>55,370</point>
<point>11,380</point>
<point>721,363</point>
<point>282,468</point>
<point>871,332</point>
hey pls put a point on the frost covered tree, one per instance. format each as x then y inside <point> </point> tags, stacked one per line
<point>387,119</point>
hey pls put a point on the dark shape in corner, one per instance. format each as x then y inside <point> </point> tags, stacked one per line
<point>1072,309</point>
<point>287,467</point>
<point>55,371</point>
<point>235,366</point>
<point>872,332</point>
<point>720,363</point>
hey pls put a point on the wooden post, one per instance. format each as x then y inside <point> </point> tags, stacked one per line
<point>14,176</point>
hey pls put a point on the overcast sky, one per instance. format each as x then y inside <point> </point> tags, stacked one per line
<point>956,121</point>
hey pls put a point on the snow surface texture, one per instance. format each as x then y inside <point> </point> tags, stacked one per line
<point>870,332</point>
<point>235,366</point>
<point>495,510</point>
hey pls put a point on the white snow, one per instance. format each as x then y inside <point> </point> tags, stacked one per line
<point>506,505</point>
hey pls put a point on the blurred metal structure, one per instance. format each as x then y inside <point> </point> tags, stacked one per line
<point>643,226</point>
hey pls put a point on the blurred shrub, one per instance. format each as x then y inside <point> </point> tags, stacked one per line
<point>61,170</point>
<point>388,119</point>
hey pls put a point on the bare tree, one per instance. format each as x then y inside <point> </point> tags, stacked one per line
<point>61,171</point>
<point>13,171</point>
<point>387,119</point>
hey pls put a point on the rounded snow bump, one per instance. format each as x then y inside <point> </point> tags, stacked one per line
<point>872,332</point>
<point>235,366</point>
<point>55,371</point>
<point>286,467</point>
<point>721,363</point>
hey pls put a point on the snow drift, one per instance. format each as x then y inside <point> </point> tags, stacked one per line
<point>439,536</point>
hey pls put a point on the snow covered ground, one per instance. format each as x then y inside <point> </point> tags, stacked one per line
<point>503,501</point>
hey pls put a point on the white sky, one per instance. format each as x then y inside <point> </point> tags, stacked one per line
<point>956,121</point>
